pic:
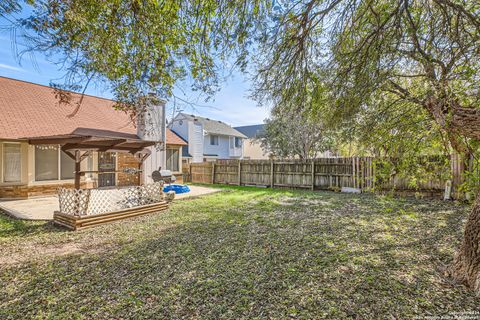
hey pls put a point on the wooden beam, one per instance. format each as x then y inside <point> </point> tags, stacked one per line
<point>80,222</point>
<point>103,142</point>
<point>142,155</point>
<point>87,147</point>
<point>85,155</point>
<point>78,159</point>
<point>68,152</point>
<point>138,142</point>
<point>52,140</point>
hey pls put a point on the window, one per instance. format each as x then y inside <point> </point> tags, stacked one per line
<point>173,156</point>
<point>46,162</point>
<point>51,163</point>
<point>238,142</point>
<point>67,166</point>
<point>11,162</point>
<point>214,140</point>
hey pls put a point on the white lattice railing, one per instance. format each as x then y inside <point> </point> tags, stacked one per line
<point>81,202</point>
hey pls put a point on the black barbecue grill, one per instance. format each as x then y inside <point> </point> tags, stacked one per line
<point>163,175</point>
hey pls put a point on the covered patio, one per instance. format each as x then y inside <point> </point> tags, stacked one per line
<point>82,142</point>
<point>77,208</point>
<point>81,207</point>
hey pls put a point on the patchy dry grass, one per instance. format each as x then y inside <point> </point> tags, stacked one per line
<point>243,253</point>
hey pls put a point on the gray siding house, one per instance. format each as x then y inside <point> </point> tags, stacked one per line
<point>207,139</point>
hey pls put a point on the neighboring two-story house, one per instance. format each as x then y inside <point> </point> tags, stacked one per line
<point>207,139</point>
<point>252,146</point>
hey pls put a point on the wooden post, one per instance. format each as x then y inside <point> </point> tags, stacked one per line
<point>205,171</point>
<point>354,173</point>
<point>77,169</point>
<point>313,174</point>
<point>357,161</point>
<point>374,172</point>
<point>357,170</point>
<point>370,174</point>
<point>360,174</point>
<point>239,172</point>
<point>330,177</point>
<point>272,182</point>
<point>213,172</point>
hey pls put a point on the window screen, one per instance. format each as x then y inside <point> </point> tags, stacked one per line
<point>11,162</point>
<point>238,142</point>
<point>46,162</point>
<point>67,166</point>
<point>173,159</point>
<point>214,140</point>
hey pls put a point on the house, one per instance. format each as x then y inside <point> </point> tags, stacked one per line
<point>252,148</point>
<point>33,122</point>
<point>207,139</point>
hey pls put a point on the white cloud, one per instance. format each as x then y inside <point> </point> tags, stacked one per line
<point>9,67</point>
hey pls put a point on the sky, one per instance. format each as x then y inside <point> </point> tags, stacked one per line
<point>230,105</point>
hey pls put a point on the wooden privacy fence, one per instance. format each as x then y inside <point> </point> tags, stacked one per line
<point>366,173</point>
<point>201,172</point>
<point>324,173</point>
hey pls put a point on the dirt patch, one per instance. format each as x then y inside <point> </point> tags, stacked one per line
<point>289,201</point>
<point>31,253</point>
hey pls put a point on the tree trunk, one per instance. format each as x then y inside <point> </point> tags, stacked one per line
<point>461,123</point>
<point>464,122</point>
<point>466,265</point>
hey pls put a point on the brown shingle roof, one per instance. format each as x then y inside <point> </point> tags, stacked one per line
<point>32,110</point>
<point>173,138</point>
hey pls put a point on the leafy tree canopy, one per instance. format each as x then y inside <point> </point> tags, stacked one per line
<point>297,125</point>
<point>136,46</point>
<point>423,52</point>
<point>294,135</point>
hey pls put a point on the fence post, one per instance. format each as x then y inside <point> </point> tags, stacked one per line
<point>374,174</point>
<point>354,173</point>
<point>370,174</point>
<point>239,172</point>
<point>272,182</point>
<point>190,172</point>
<point>361,166</point>
<point>213,172</point>
<point>330,177</point>
<point>313,174</point>
<point>359,182</point>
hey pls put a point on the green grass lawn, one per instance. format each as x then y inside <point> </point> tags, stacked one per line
<point>242,253</point>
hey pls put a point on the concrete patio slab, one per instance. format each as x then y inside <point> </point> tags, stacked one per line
<point>196,191</point>
<point>43,208</point>
<point>31,209</point>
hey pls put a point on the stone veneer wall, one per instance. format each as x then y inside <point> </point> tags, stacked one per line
<point>24,191</point>
<point>127,160</point>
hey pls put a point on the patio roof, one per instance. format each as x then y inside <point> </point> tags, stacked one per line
<point>88,139</point>
<point>82,141</point>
